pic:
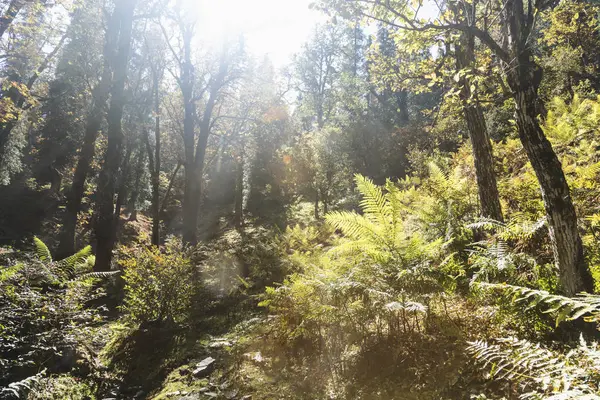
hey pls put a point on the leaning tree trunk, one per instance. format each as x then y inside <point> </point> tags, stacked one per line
<point>562,218</point>
<point>524,77</point>
<point>487,185</point>
<point>95,117</point>
<point>107,181</point>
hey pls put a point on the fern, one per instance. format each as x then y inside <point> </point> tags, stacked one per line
<point>567,309</point>
<point>540,372</point>
<point>97,275</point>
<point>20,389</point>
<point>69,264</point>
<point>42,250</point>
<point>379,232</point>
<point>72,268</point>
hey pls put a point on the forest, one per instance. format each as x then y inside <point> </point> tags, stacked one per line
<point>406,207</point>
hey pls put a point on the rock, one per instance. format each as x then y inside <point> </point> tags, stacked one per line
<point>211,394</point>
<point>247,397</point>
<point>204,367</point>
<point>193,396</point>
<point>219,344</point>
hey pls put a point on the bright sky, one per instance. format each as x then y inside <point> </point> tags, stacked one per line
<point>277,28</point>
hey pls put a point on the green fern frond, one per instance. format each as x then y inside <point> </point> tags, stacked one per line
<point>567,309</point>
<point>42,250</point>
<point>354,225</point>
<point>68,265</point>
<point>540,372</point>
<point>373,202</point>
<point>515,359</point>
<point>97,275</point>
<point>487,224</point>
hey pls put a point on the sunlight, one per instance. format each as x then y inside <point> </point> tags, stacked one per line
<point>270,27</point>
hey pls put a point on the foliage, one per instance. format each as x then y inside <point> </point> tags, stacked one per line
<point>540,372</point>
<point>44,311</point>
<point>159,285</point>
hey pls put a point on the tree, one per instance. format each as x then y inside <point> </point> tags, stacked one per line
<point>94,120</point>
<point>105,192</point>
<point>517,22</point>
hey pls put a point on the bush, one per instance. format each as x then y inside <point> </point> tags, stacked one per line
<point>43,312</point>
<point>159,285</point>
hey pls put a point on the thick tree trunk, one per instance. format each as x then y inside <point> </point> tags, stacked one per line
<point>195,180</point>
<point>487,186</point>
<point>94,121</point>
<point>524,77</point>
<point>190,221</point>
<point>106,184</point>
<point>189,139</point>
<point>562,218</point>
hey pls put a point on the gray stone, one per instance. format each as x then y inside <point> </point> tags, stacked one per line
<point>204,367</point>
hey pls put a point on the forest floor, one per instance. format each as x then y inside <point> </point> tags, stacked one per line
<point>246,362</point>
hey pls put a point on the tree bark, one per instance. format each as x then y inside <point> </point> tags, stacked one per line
<point>189,139</point>
<point>135,193</point>
<point>239,196</point>
<point>106,184</point>
<point>195,188</point>
<point>524,77</point>
<point>154,161</point>
<point>483,158</point>
<point>94,121</point>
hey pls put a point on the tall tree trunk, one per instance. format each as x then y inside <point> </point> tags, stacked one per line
<point>316,203</point>
<point>487,186</point>
<point>122,191</point>
<point>157,165</point>
<point>106,184</point>
<point>94,121</point>
<point>402,103</point>
<point>135,193</point>
<point>154,162</point>
<point>524,77</point>
<point>189,138</point>
<point>239,196</point>
<point>195,186</point>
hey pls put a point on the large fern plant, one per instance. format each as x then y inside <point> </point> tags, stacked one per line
<point>379,232</point>
<point>76,266</point>
<point>539,372</point>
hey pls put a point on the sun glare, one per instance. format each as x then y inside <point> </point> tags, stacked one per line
<point>276,28</point>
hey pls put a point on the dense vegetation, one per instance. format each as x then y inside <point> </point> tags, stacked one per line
<point>408,210</point>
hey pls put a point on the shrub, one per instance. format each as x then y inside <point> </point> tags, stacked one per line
<point>159,285</point>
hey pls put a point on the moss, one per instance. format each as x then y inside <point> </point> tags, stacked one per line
<point>63,387</point>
